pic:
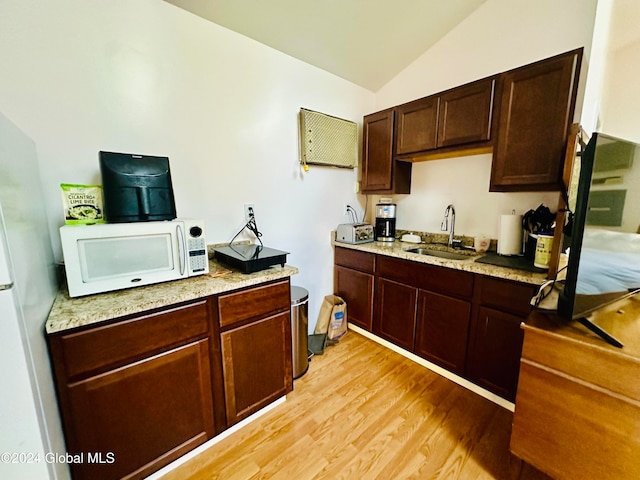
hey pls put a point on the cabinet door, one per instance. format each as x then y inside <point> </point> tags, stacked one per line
<point>536,109</point>
<point>378,151</point>
<point>256,361</point>
<point>395,317</point>
<point>380,172</point>
<point>442,330</point>
<point>417,125</point>
<point>146,414</point>
<point>356,288</point>
<point>494,359</point>
<point>465,114</point>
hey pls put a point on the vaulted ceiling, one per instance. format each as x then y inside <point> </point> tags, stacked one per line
<point>367,42</point>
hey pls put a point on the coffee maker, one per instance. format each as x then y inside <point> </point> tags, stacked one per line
<point>385,230</point>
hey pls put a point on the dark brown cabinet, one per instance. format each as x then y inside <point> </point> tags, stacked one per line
<point>396,312</point>
<point>442,330</point>
<point>353,282</point>
<point>496,337</point>
<point>536,109</point>
<point>138,391</point>
<point>523,115</point>
<point>381,173</point>
<point>424,309</point>
<point>417,125</point>
<point>466,114</point>
<point>256,360</point>
<point>466,323</point>
<point>255,326</point>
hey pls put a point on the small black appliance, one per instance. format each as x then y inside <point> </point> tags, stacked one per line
<point>136,188</point>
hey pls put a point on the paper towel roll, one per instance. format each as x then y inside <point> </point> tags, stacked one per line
<point>510,236</point>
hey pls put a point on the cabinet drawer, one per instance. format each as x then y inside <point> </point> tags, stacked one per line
<point>506,295</point>
<point>365,262</point>
<point>427,277</point>
<point>253,303</point>
<point>593,366</point>
<point>116,344</point>
<point>571,429</point>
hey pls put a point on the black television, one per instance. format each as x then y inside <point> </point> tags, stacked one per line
<point>136,188</point>
<point>604,255</point>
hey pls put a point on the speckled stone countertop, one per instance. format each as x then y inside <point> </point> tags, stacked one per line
<point>399,250</point>
<point>68,313</point>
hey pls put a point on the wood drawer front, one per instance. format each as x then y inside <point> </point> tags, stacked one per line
<point>253,303</point>
<point>427,277</point>
<point>345,257</point>
<point>506,295</point>
<point>116,344</point>
<point>611,371</point>
<point>569,429</point>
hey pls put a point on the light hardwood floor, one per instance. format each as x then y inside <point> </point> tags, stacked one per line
<point>363,411</point>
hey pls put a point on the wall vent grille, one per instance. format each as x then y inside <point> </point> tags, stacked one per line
<point>327,140</point>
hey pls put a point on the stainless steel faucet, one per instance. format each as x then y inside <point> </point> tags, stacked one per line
<point>445,226</point>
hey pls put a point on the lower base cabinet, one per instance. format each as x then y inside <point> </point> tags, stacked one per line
<point>354,282</point>
<point>442,330</point>
<point>495,344</point>
<point>117,414</point>
<point>257,369</point>
<point>466,323</point>
<point>494,360</point>
<point>138,392</point>
<point>255,341</point>
<point>356,288</point>
<point>395,315</point>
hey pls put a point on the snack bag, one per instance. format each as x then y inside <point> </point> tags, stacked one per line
<point>82,204</point>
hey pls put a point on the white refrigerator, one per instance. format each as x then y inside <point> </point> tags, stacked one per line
<point>30,429</point>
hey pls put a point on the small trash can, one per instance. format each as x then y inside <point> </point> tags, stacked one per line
<point>299,330</point>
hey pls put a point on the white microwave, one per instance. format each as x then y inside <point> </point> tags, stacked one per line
<point>113,256</point>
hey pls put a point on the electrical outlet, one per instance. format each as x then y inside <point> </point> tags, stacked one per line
<point>345,209</point>
<point>249,211</point>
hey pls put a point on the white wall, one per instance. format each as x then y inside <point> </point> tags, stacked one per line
<point>619,113</point>
<point>143,76</point>
<point>620,104</point>
<point>498,36</point>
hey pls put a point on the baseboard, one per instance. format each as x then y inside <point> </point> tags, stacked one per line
<point>463,382</point>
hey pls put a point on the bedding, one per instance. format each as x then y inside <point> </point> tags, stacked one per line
<point>609,262</point>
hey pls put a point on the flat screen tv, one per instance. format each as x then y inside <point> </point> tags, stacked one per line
<point>604,254</point>
<point>136,188</point>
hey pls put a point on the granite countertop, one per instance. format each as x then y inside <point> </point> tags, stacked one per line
<point>68,312</point>
<point>399,249</point>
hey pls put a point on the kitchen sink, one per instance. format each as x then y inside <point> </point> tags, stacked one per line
<point>439,253</point>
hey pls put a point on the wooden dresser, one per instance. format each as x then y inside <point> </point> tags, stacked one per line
<point>577,409</point>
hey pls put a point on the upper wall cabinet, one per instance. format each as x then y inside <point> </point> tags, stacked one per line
<point>523,115</point>
<point>417,125</point>
<point>380,172</point>
<point>465,114</point>
<point>536,110</point>
<point>460,116</point>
